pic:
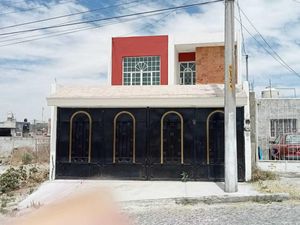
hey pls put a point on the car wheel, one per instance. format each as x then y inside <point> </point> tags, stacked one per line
<point>272,155</point>
<point>282,157</point>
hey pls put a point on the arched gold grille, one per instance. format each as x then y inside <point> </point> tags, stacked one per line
<point>115,134</point>
<point>71,134</point>
<point>162,135</point>
<point>207,132</point>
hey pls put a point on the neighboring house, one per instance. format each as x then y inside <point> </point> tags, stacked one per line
<point>160,115</point>
<point>8,128</point>
<point>275,116</point>
<point>13,128</point>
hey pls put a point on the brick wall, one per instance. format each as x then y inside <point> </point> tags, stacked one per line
<point>210,65</point>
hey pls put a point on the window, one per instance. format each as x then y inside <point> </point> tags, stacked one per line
<point>141,70</point>
<point>281,126</point>
<point>187,73</point>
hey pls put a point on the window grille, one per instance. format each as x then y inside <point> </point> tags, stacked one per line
<point>281,126</point>
<point>187,73</point>
<point>141,70</point>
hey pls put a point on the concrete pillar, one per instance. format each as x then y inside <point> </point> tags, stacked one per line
<point>230,101</point>
<point>247,135</point>
<point>253,119</point>
<point>53,137</point>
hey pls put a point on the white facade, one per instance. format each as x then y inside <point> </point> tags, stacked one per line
<point>171,95</point>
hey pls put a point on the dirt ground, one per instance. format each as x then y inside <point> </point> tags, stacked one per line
<point>20,175</point>
<point>284,183</point>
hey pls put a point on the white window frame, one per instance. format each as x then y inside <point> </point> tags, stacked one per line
<point>141,72</point>
<point>182,81</point>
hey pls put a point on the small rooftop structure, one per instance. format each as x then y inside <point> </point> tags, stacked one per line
<point>269,92</point>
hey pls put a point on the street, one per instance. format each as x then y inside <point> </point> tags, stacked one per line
<point>232,213</point>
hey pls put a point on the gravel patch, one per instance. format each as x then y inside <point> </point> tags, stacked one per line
<point>234,213</point>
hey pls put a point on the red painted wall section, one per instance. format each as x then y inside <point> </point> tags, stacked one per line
<point>139,46</point>
<point>186,56</point>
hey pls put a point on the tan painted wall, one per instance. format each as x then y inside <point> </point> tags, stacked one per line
<point>210,65</point>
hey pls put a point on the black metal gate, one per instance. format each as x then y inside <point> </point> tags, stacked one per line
<point>79,138</point>
<point>216,145</point>
<point>147,144</point>
<point>124,139</point>
<point>171,139</point>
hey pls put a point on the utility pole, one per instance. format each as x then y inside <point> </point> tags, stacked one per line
<point>230,101</point>
<point>247,71</point>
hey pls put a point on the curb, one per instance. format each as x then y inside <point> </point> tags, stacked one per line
<point>276,197</point>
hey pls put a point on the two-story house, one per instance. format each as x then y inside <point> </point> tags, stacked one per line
<point>160,115</point>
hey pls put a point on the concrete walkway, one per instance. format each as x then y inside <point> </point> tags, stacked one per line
<point>123,191</point>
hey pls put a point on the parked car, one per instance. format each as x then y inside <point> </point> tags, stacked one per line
<point>286,147</point>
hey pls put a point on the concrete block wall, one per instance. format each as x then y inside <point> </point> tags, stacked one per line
<point>267,109</point>
<point>279,166</point>
<point>8,144</point>
<point>252,103</point>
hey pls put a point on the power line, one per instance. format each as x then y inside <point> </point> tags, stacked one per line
<point>70,31</point>
<point>67,15</point>
<point>97,14</point>
<point>274,52</point>
<point>29,9</point>
<point>42,36</point>
<point>14,35</point>
<point>73,30</point>
<point>39,35</point>
<point>110,18</point>
<point>242,33</point>
<point>258,42</point>
<point>151,24</point>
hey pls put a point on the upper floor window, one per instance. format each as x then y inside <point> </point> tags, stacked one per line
<point>187,73</point>
<point>141,70</point>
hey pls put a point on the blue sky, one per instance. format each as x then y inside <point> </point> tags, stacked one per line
<point>27,69</point>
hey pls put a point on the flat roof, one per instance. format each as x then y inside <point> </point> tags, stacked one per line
<point>211,95</point>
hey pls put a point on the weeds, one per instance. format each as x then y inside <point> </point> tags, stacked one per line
<point>12,179</point>
<point>27,158</point>
<point>4,201</point>
<point>259,175</point>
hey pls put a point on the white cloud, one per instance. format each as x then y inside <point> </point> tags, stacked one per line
<point>28,69</point>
